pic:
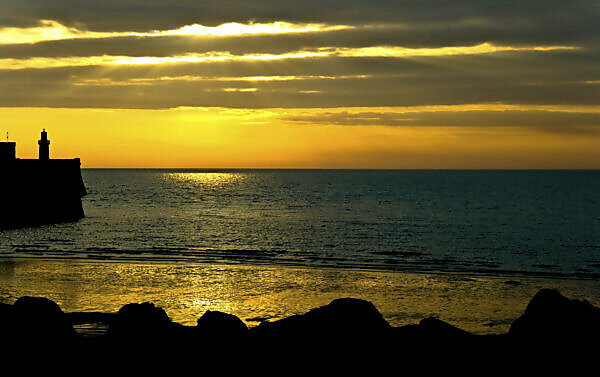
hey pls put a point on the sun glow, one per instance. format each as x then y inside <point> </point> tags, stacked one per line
<point>50,30</point>
<point>288,138</point>
<point>234,28</point>
<point>190,78</point>
<point>483,48</point>
<point>108,60</point>
<point>221,56</point>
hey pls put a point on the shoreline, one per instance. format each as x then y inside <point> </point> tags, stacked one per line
<point>508,274</point>
<point>478,304</point>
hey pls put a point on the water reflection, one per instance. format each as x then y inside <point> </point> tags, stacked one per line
<point>451,221</point>
<point>254,293</point>
<point>206,179</point>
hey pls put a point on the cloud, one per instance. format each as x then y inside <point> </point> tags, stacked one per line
<point>274,38</point>
<point>322,52</point>
<point>145,15</point>
<point>273,54</point>
<point>50,30</point>
<point>188,78</point>
<point>559,77</point>
<point>568,119</point>
<point>83,87</point>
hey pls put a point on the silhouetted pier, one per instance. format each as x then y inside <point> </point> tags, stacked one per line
<point>39,191</point>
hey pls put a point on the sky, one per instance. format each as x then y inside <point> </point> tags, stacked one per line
<point>420,84</point>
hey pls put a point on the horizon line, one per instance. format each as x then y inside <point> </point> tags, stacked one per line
<point>354,169</point>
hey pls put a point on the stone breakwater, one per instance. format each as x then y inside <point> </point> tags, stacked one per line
<point>553,332</point>
<point>37,192</point>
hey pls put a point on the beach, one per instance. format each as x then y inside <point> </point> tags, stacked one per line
<point>476,303</point>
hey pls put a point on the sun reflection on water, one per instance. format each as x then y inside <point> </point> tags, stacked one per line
<point>256,292</point>
<point>213,179</point>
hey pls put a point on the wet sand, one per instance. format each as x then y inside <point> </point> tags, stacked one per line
<point>476,303</point>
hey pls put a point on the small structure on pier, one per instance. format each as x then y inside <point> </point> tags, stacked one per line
<point>8,151</point>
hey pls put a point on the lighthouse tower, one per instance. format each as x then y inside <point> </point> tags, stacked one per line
<point>44,144</point>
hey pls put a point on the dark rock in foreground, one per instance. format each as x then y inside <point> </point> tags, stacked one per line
<point>430,329</point>
<point>35,319</point>
<point>553,332</point>
<point>215,324</point>
<point>345,317</point>
<point>550,315</point>
<point>78,318</point>
<point>141,322</point>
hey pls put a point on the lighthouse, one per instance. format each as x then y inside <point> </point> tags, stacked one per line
<point>44,144</point>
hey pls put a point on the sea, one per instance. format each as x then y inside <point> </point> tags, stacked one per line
<point>310,231</point>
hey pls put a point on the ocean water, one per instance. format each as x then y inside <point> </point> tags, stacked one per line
<point>528,223</point>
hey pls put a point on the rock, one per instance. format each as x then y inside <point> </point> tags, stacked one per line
<point>258,319</point>
<point>42,319</point>
<point>37,306</point>
<point>342,319</point>
<point>77,318</point>
<point>434,327</point>
<point>215,323</point>
<point>140,321</point>
<point>551,315</point>
<point>7,320</point>
<point>428,330</point>
<point>6,311</point>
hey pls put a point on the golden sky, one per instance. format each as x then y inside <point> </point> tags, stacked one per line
<point>391,85</point>
<point>273,138</point>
